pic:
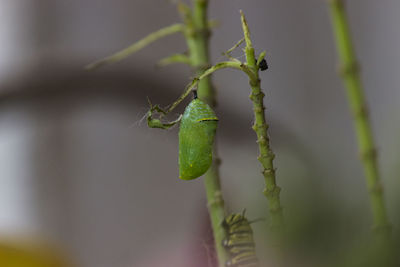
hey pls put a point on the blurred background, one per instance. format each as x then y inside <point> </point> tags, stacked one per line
<point>81,171</point>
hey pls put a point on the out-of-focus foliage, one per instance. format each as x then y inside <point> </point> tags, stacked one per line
<point>25,254</point>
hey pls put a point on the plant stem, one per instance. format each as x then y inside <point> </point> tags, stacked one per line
<point>355,94</point>
<point>208,72</point>
<point>152,37</point>
<point>175,58</point>
<point>266,157</point>
<point>197,36</point>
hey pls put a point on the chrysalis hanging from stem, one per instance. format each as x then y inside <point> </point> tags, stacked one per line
<point>196,138</point>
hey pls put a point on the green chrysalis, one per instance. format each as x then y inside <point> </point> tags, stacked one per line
<point>196,138</point>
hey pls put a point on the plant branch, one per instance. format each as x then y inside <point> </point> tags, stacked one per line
<point>175,58</point>
<point>355,94</point>
<point>266,157</point>
<point>152,37</point>
<point>156,123</point>
<point>208,72</point>
<point>197,36</point>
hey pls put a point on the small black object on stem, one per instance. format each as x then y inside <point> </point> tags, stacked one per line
<point>263,65</point>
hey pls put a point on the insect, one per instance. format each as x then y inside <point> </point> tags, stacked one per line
<point>240,242</point>
<point>196,138</point>
<point>263,65</point>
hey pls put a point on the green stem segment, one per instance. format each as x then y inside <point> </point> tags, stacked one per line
<point>355,94</point>
<point>206,74</point>
<point>197,36</point>
<point>152,37</point>
<point>266,157</point>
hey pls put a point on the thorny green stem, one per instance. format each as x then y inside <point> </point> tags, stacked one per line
<point>152,37</point>
<point>266,157</point>
<point>197,35</point>
<point>355,94</point>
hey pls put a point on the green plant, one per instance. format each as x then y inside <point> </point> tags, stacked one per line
<point>251,69</point>
<point>355,95</point>
<point>196,31</point>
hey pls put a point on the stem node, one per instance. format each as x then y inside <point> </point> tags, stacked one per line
<point>349,69</point>
<point>369,155</point>
<point>377,189</point>
<point>217,199</point>
<point>268,172</point>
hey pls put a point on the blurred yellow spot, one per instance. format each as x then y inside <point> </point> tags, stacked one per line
<point>28,254</point>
